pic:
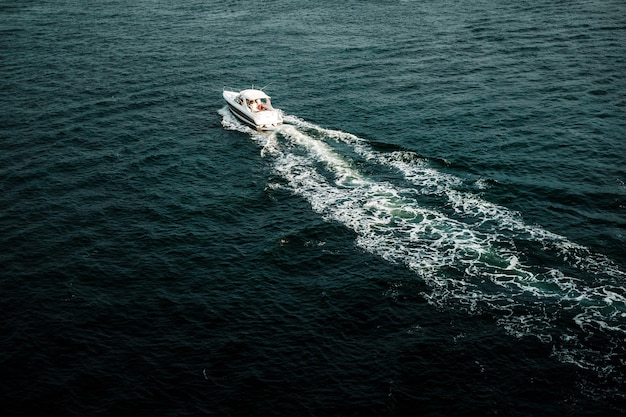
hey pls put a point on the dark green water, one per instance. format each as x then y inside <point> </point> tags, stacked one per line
<point>437,230</point>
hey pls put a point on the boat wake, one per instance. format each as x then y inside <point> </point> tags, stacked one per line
<point>472,254</point>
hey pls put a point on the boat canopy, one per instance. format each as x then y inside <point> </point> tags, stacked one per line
<point>254,94</point>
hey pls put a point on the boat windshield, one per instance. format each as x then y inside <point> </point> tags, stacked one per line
<point>260,104</point>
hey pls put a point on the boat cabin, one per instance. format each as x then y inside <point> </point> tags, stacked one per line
<point>255,100</point>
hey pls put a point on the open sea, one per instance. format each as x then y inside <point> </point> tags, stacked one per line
<point>439,229</point>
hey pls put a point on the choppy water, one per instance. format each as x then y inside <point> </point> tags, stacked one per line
<point>437,230</point>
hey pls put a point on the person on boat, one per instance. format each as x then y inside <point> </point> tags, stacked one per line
<point>259,104</point>
<point>253,105</point>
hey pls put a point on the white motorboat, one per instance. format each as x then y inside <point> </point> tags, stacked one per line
<point>254,108</point>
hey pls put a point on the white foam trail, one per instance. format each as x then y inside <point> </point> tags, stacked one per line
<point>389,221</point>
<point>495,217</point>
<point>469,261</point>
